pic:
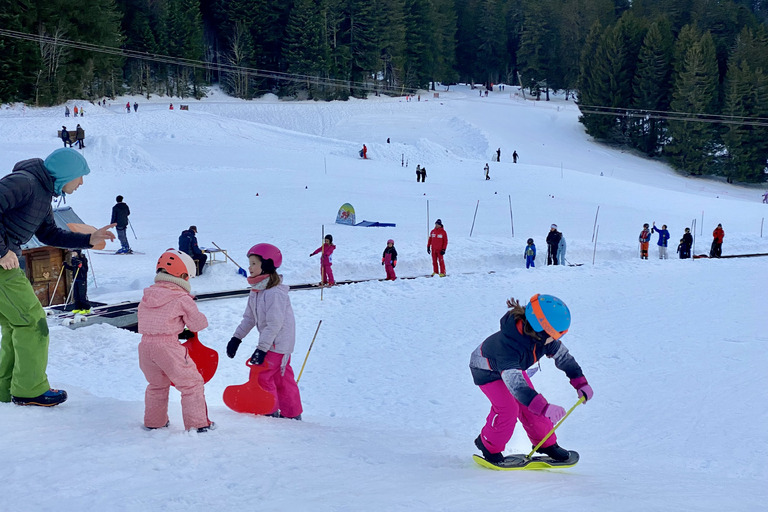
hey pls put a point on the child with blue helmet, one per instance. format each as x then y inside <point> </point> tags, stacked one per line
<point>499,367</point>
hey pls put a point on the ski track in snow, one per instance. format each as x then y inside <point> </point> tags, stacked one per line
<point>675,350</point>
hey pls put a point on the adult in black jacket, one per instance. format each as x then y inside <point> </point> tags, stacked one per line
<point>685,244</point>
<point>25,210</point>
<point>79,269</point>
<point>65,136</point>
<point>553,240</point>
<point>120,213</point>
<point>188,244</point>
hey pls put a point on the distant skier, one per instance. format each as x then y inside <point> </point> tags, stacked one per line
<point>645,239</point>
<point>684,249</point>
<point>553,242</point>
<point>165,309</point>
<point>135,106</point>
<point>530,254</point>
<point>364,152</point>
<point>498,153</point>
<point>514,157</point>
<point>487,171</point>
<point>436,246</point>
<point>269,310</point>
<point>765,197</point>
<point>128,107</point>
<point>717,243</point>
<point>389,260</point>
<point>79,267</point>
<point>499,367</point>
<point>423,174</point>
<point>326,260</point>
<point>663,238</point>
<point>418,173</point>
<point>120,213</point>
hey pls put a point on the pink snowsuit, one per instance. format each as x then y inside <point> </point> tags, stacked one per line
<point>270,311</point>
<point>163,312</point>
<point>326,261</point>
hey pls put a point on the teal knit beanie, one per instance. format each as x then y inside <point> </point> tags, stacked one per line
<point>65,165</point>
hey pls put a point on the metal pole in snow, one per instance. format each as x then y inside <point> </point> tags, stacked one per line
<point>595,249</point>
<point>511,219</point>
<point>595,225</point>
<point>322,272</point>
<point>473,218</point>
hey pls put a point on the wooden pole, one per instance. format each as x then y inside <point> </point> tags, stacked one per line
<point>310,348</point>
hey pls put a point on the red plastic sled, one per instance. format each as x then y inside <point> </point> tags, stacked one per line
<point>206,359</point>
<point>250,398</point>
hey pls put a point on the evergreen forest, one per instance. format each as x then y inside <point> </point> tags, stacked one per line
<point>684,80</point>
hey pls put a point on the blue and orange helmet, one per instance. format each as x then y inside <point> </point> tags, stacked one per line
<point>549,314</point>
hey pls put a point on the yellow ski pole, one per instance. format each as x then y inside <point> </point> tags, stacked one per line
<point>310,348</point>
<point>580,401</point>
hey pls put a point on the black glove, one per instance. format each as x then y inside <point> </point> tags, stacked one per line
<point>258,357</point>
<point>442,252</point>
<point>232,346</point>
<point>429,251</point>
<point>186,334</point>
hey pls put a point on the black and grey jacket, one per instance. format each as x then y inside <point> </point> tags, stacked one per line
<point>25,210</point>
<point>508,353</point>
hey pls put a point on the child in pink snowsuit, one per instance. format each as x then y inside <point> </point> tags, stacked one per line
<point>326,260</point>
<point>389,260</point>
<point>499,367</point>
<point>269,310</point>
<point>164,310</point>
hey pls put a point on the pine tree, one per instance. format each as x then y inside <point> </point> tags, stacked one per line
<point>693,144</point>
<point>652,86</point>
<point>305,51</point>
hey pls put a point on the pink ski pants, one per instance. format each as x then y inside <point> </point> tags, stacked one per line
<point>164,360</point>
<point>282,385</point>
<point>327,274</point>
<point>505,411</point>
<point>390,271</point>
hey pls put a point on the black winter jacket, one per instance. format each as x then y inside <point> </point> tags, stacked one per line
<point>25,210</point>
<point>188,243</point>
<point>507,353</point>
<point>120,213</point>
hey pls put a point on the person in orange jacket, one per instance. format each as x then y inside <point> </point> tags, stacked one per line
<point>438,242</point>
<point>717,243</point>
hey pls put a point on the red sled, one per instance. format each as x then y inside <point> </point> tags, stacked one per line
<point>250,398</point>
<point>206,359</point>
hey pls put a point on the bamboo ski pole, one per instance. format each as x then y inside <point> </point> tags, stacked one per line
<point>61,272</point>
<point>72,288</point>
<point>580,401</point>
<point>308,351</point>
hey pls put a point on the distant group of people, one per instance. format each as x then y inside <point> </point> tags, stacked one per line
<point>514,156</point>
<point>128,107</point>
<point>421,174</point>
<point>77,111</point>
<point>684,246</point>
<point>66,137</point>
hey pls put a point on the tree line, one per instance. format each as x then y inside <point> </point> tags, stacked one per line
<point>641,58</point>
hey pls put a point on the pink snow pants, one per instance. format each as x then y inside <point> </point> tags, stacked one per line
<point>505,411</point>
<point>390,271</point>
<point>283,387</point>
<point>327,274</point>
<point>163,359</point>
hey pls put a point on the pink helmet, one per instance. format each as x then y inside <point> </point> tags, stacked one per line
<point>267,252</point>
<point>390,241</point>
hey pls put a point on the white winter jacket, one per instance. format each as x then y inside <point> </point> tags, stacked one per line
<point>271,313</point>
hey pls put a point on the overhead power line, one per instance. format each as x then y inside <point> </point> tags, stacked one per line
<point>673,116</point>
<point>199,64</point>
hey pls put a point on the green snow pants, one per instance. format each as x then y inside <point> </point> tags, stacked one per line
<point>24,345</point>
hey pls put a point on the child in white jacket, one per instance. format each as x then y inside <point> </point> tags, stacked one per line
<point>269,310</point>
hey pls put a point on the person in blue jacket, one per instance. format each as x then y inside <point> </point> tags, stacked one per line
<point>530,254</point>
<point>188,244</point>
<point>663,238</point>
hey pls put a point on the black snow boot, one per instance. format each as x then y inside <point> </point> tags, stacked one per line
<point>555,452</point>
<point>494,458</point>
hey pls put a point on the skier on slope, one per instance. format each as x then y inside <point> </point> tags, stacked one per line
<point>389,260</point>
<point>499,367</point>
<point>326,260</point>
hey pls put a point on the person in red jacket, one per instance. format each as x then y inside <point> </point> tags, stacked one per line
<point>438,242</point>
<point>717,243</point>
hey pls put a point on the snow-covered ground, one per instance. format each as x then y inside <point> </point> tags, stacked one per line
<point>675,350</point>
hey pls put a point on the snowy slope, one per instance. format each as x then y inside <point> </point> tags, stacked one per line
<point>675,350</point>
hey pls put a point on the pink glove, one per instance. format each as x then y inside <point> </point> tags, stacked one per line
<point>582,388</point>
<point>554,412</point>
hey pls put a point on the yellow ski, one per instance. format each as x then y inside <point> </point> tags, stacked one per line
<point>518,462</point>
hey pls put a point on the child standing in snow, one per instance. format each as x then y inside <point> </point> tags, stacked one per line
<point>269,310</point>
<point>436,245</point>
<point>530,254</point>
<point>389,260</point>
<point>663,238</point>
<point>326,260</point>
<point>644,239</point>
<point>499,367</point>
<point>164,310</point>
